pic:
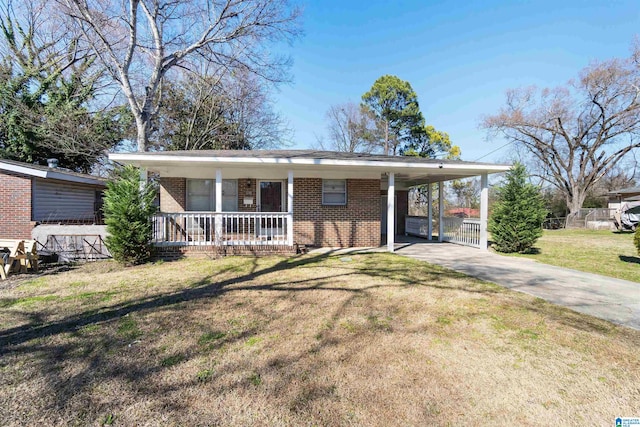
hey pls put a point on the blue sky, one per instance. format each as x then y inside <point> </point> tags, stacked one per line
<point>460,57</point>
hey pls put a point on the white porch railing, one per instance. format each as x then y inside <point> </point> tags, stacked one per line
<point>465,231</point>
<point>457,230</point>
<point>221,229</point>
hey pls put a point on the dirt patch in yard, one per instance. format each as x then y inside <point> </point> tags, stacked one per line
<point>370,339</point>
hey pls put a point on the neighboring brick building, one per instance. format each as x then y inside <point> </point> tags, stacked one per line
<point>225,201</point>
<point>32,194</point>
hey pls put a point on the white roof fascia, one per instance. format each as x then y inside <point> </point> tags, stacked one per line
<point>381,165</point>
<point>38,173</point>
<point>23,170</point>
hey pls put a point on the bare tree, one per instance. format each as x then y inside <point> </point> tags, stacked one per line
<point>140,41</point>
<point>577,133</point>
<point>232,111</point>
<point>351,128</point>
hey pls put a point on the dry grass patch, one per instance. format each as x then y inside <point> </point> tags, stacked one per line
<point>314,340</point>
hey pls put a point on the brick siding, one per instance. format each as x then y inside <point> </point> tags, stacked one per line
<point>15,206</point>
<point>355,225</point>
<point>173,194</point>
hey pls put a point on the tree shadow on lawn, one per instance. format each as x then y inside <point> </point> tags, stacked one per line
<point>95,353</point>
<point>630,259</point>
<point>105,358</point>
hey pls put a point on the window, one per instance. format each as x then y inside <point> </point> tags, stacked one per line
<point>201,195</point>
<point>334,192</point>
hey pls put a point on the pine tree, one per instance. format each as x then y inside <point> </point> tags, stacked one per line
<point>516,220</point>
<point>128,206</point>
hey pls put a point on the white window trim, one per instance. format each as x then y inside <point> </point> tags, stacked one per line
<point>283,193</point>
<point>213,190</point>
<point>345,193</point>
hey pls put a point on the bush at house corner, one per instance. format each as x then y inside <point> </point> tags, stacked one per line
<point>128,207</point>
<point>516,220</point>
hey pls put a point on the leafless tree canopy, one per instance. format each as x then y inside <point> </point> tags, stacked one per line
<point>351,128</point>
<point>576,133</point>
<point>232,111</point>
<point>141,41</point>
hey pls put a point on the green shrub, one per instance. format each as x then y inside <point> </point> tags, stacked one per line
<point>128,206</point>
<point>636,239</point>
<point>516,220</point>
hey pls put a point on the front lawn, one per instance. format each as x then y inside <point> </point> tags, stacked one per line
<point>595,251</point>
<point>371,339</point>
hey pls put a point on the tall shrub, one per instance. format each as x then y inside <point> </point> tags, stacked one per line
<point>636,239</point>
<point>128,206</point>
<point>516,220</point>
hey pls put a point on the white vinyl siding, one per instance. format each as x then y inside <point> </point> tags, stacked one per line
<point>201,195</point>
<point>334,192</point>
<point>61,201</point>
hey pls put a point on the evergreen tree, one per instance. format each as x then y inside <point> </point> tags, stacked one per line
<point>516,220</point>
<point>128,206</point>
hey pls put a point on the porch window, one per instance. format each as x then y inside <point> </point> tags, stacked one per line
<point>201,195</point>
<point>334,192</point>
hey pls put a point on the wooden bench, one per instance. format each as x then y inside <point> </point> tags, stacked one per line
<point>22,255</point>
<point>15,252</point>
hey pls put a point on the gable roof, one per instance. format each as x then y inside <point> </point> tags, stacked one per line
<point>46,172</point>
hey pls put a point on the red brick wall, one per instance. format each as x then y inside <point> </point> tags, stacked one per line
<point>173,194</point>
<point>247,188</point>
<point>15,206</point>
<point>355,225</point>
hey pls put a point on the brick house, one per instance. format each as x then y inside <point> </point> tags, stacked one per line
<point>276,200</point>
<point>34,194</point>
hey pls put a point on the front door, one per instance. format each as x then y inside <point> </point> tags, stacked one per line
<point>271,196</point>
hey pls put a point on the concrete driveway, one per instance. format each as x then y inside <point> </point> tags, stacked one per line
<point>611,299</point>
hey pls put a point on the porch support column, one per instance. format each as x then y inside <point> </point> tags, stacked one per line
<point>290,209</point>
<point>143,177</point>
<point>440,211</point>
<point>218,227</point>
<point>391,229</point>
<point>484,210</point>
<point>430,211</point>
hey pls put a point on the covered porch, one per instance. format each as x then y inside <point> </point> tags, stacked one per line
<point>285,198</point>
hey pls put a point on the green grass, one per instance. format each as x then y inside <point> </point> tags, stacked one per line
<point>601,252</point>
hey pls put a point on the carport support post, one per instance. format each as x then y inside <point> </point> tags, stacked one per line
<point>290,208</point>
<point>218,199</point>
<point>391,229</point>
<point>484,210</point>
<point>441,212</point>
<point>430,211</point>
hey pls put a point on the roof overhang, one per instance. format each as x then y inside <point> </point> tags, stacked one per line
<point>51,174</point>
<point>409,172</point>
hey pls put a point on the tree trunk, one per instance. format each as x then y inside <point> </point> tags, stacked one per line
<point>576,200</point>
<point>143,124</point>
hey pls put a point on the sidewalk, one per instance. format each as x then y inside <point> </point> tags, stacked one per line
<point>607,298</point>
